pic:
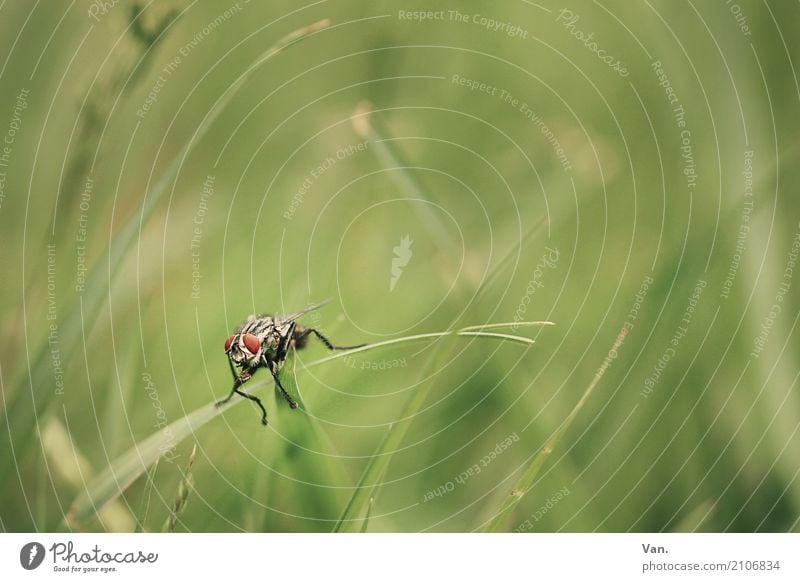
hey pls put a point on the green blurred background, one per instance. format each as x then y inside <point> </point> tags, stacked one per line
<point>560,185</point>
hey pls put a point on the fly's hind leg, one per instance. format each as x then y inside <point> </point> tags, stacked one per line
<point>273,368</point>
<point>301,337</point>
<point>289,399</point>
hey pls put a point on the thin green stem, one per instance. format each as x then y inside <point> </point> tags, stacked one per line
<point>526,482</point>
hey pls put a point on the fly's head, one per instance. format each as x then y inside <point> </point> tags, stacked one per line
<point>244,349</point>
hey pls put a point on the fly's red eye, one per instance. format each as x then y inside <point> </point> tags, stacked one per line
<point>228,343</point>
<point>251,343</point>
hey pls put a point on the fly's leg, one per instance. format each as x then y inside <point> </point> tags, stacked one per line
<point>233,370</point>
<point>237,382</point>
<point>254,399</point>
<point>289,399</point>
<point>272,366</point>
<point>300,339</point>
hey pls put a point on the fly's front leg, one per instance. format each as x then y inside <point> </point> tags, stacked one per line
<point>237,383</point>
<point>233,370</point>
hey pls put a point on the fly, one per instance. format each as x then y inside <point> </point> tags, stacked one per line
<point>263,341</point>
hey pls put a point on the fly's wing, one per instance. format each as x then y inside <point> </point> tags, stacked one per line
<point>284,319</point>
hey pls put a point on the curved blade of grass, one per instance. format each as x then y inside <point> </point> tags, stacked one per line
<point>507,324</point>
<point>128,467</point>
<point>525,482</point>
<point>505,336</point>
<point>25,412</point>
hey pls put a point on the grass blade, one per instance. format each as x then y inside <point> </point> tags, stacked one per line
<point>508,324</point>
<point>391,159</point>
<point>525,483</point>
<point>366,518</point>
<point>513,338</point>
<point>128,467</point>
<point>144,507</point>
